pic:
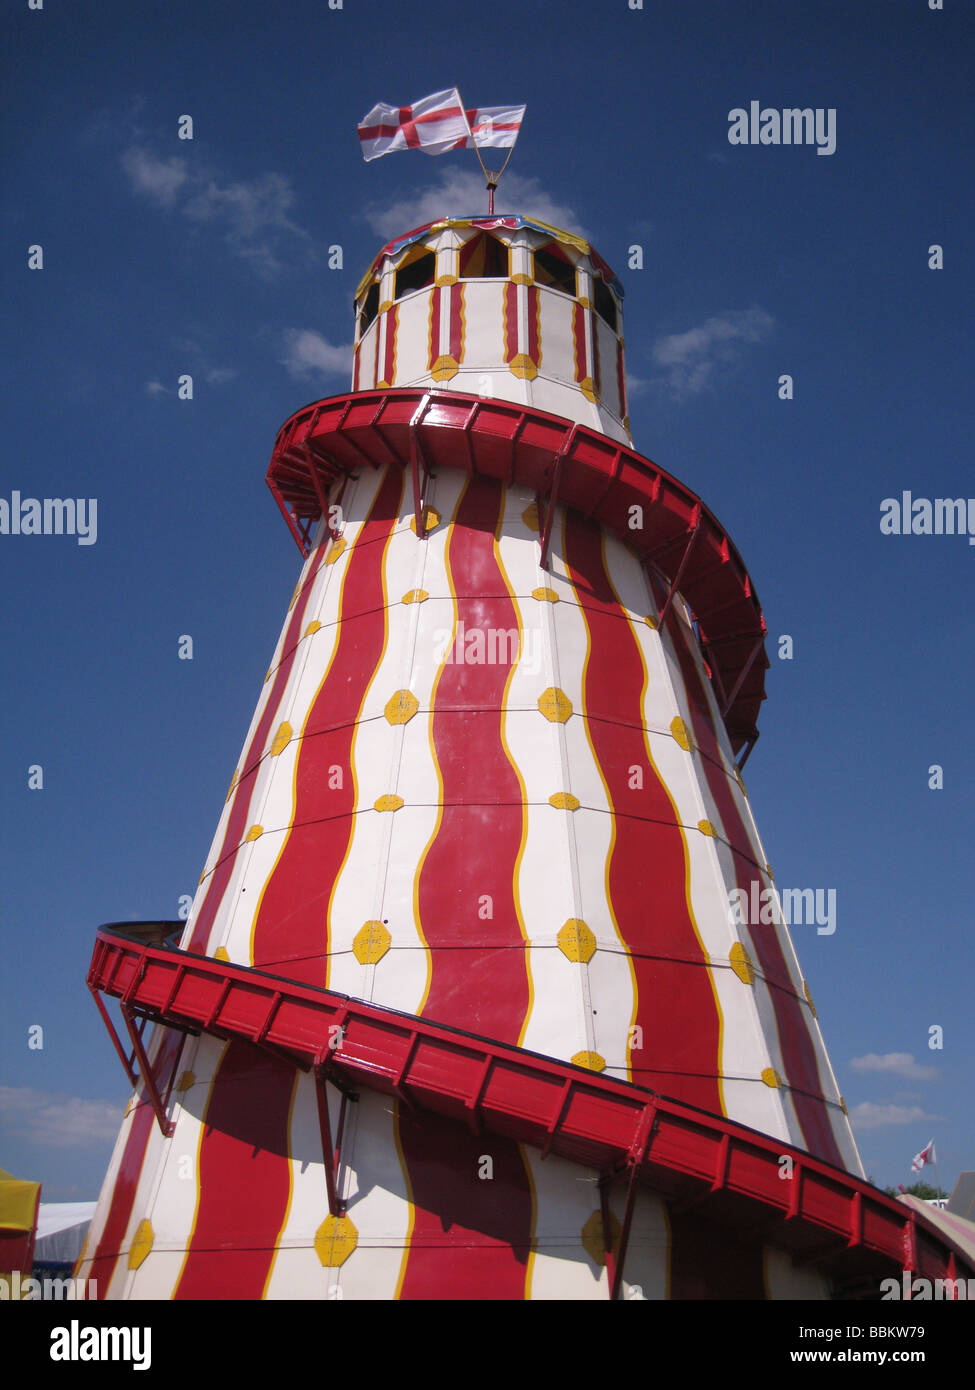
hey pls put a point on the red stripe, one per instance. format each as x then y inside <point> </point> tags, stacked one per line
<point>408,123</point>
<point>479,977</point>
<point>647,870</point>
<point>238,820</point>
<point>471,1235</point>
<point>798,1051</point>
<point>482,801</point>
<point>292,926</point>
<point>390,356</point>
<point>620,379</point>
<point>434,345</point>
<point>534,334</point>
<point>511,320</point>
<point>375,365</point>
<point>129,1171</point>
<point>456,322</point>
<point>377,132</point>
<point>596,369</point>
<point>245,1180</point>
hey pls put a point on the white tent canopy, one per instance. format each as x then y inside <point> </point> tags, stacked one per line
<point>61,1231</point>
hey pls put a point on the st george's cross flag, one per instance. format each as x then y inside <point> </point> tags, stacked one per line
<point>438,123</point>
<point>435,124</point>
<point>925,1156</point>
<point>494,127</point>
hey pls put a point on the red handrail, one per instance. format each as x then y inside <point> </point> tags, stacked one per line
<point>688,1155</point>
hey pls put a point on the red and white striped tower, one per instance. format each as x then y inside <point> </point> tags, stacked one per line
<point>467,904</point>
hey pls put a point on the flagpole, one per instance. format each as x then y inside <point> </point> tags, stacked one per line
<point>495,179</point>
<point>491,180</point>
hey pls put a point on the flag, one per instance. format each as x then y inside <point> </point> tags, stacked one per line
<point>496,127</point>
<point>927,1155</point>
<point>434,124</point>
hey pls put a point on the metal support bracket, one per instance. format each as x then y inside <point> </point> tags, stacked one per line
<point>311,463</point>
<point>744,671</point>
<point>553,1125</point>
<point>553,493</point>
<point>331,1153</point>
<point>748,751</point>
<point>635,1160</point>
<point>416,457</point>
<point>472,1104</point>
<point>292,524</point>
<point>116,1042</point>
<point>149,1081</point>
<point>675,582</point>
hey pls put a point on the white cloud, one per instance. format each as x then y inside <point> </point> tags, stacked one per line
<point>689,359</point>
<point>896,1064</point>
<point>159,179</point>
<point>461,193</point>
<point>254,216</point>
<point>868,1115</point>
<point>307,353</point>
<point>200,364</point>
<point>201,359</point>
<point>66,1122</point>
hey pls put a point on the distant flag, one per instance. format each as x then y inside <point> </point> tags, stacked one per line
<point>494,127</point>
<point>435,124</point>
<point>927,1155</point>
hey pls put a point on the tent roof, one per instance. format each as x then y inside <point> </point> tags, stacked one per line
<point>962,1200</point>
<point>18,1203</point>
<point>955,1229</point>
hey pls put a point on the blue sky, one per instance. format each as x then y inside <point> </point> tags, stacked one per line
<point>163,257</point>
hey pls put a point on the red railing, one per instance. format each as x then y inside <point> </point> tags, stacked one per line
<point>682,545</point>
<point>689,1156</point>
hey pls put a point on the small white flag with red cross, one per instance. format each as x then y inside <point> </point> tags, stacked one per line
<point>925,1156</point>
<point>494,127</point>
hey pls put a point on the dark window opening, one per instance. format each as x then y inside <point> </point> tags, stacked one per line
<point>604,302</point>
<point>484,256</point>
<point>369,308</point>
<point>552,269</point>
<point>415,274</point>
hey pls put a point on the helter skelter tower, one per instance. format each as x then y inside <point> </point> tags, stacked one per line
<point>460,1009</point>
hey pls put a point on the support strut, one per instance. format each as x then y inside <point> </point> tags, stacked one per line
<point>744,671</point>
<point>416,455</point>
<point>149,1081</point>
<point>331,1153</point>
<point>675,582</point>
<point>553,494</point>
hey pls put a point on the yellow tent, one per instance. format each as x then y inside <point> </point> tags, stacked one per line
<point>19,1202</point>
